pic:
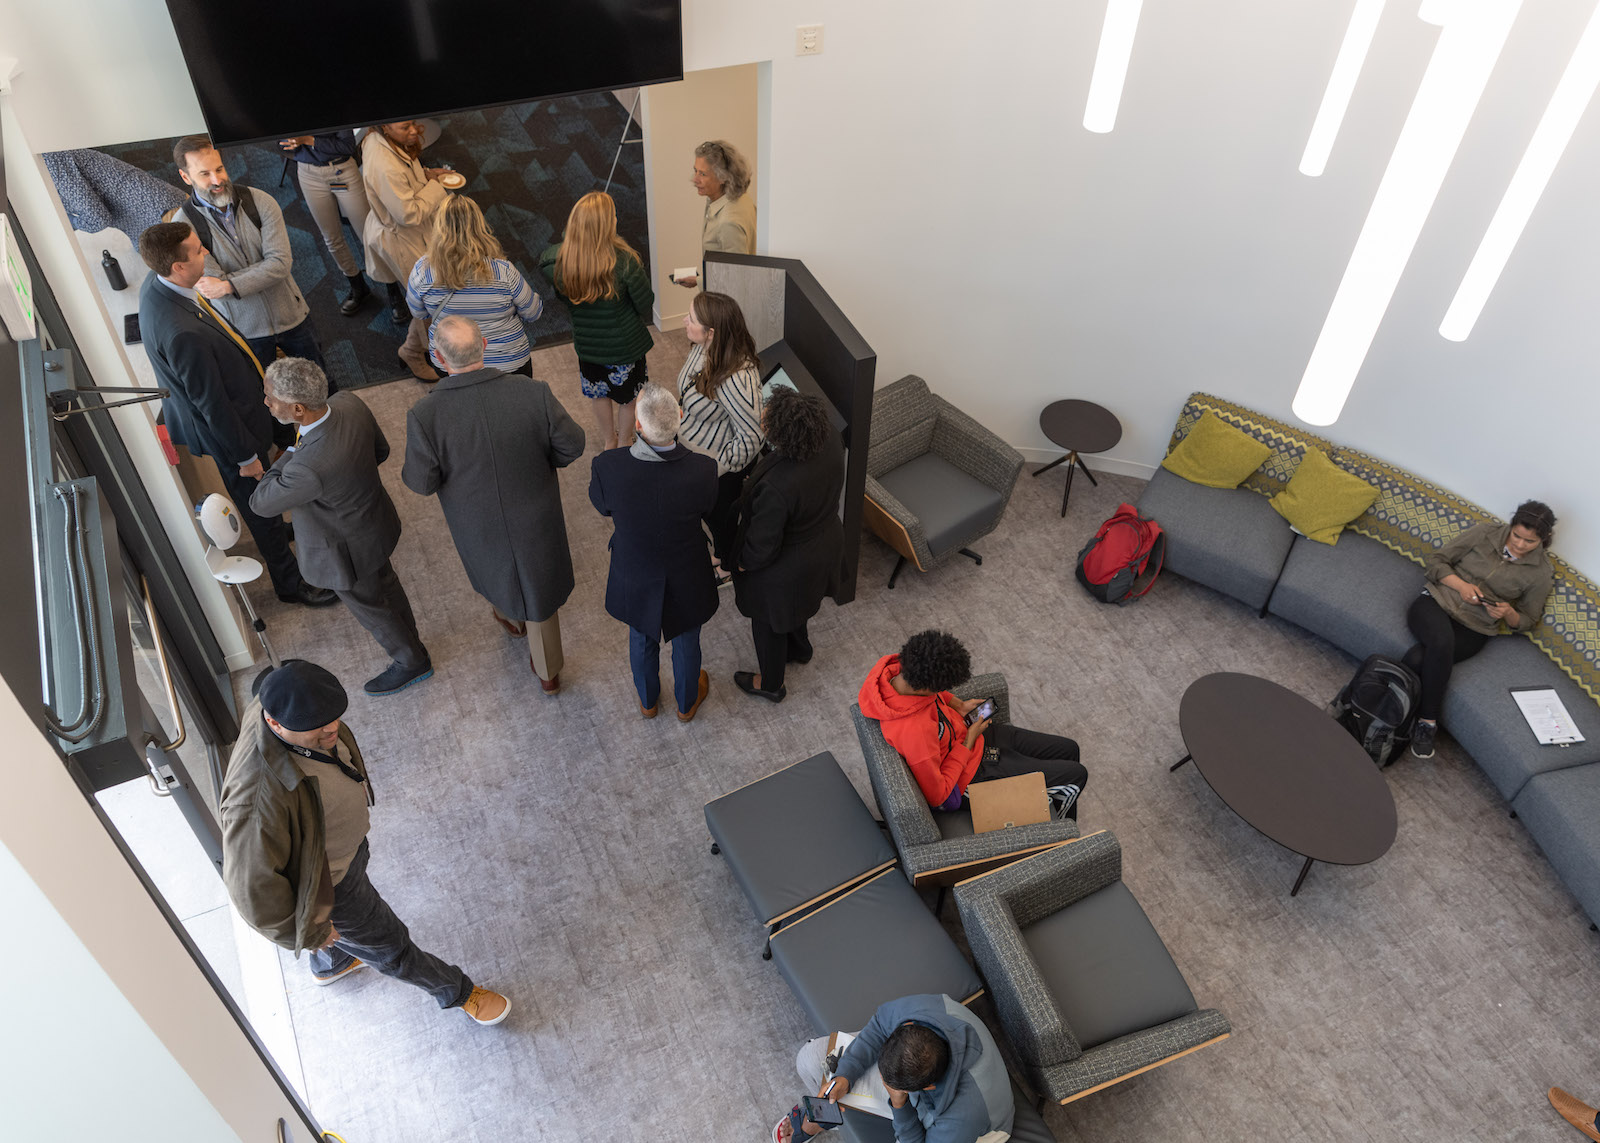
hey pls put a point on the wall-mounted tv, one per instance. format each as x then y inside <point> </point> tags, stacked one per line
<point>265,71</point>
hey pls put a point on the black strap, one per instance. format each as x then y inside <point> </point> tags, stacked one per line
<point>195,214</point>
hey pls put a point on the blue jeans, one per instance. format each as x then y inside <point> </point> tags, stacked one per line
<point>301,341</point>
<point>644,656</point>
<point>369,929</point>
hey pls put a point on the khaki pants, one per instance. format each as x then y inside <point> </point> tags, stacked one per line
<point>330,191</point>
<point>544,644</point>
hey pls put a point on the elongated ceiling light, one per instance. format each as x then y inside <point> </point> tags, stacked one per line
<point>1572,96</point>
<point>1473,34</point>
<point>1111,64</point>
<point>1341,85</point>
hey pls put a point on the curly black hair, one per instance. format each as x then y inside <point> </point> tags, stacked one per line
<point>934,661</point>
<point>1535,515</point>
<point>796,423</point>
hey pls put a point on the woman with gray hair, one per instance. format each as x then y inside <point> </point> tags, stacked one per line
<point>722,177</point>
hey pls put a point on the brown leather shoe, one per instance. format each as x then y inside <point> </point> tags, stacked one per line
<point>485,1007</point>
<point>515,630</point>
<point>705,689</point>
<point>649,711</point>
<point>549,686</point>
<point>1575,1112</point>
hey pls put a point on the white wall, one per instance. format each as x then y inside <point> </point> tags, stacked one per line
<point>931,168</point>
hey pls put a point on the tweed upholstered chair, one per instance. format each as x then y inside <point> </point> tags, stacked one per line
<point>1085,988</point>
<point>941,849</point>
<point>937,480</point>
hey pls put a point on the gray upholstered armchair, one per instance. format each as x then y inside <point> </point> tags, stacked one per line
<point>941,849</point>
<point>1084,986</point>
<point>937,480</point>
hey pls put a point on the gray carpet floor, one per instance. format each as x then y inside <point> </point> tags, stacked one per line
<point>555,848</point>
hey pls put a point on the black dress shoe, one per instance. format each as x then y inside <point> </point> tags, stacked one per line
<point>401,314</point>
<point>310,596</point>
<point>746,682</point>
<point>359,293</point>
<point>397,678</point>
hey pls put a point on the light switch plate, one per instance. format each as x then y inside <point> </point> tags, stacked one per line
<point>808,40</point>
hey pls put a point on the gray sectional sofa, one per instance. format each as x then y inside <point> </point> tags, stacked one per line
<point>1354,593</point>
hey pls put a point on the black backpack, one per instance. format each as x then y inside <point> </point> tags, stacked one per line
<point>1378,706</point>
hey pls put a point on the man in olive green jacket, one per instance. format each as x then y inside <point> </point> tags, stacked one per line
<point>295,807</point>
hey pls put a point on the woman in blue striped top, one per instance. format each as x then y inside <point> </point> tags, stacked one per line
<point>465,272</point>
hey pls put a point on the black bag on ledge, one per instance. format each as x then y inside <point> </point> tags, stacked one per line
<point>1378,706</point>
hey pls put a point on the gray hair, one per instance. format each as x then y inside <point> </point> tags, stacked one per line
<point>658,414</point>
<point>458,341</point>
<point>730,168</point>
<point>298,381</point>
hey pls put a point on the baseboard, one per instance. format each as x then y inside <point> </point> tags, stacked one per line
<point>1097,464</point>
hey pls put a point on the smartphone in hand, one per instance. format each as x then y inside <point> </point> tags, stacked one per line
<point>983,710</point>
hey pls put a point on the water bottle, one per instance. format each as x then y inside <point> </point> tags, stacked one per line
<point>113,270</point>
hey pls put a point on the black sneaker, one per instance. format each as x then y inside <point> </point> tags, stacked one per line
<point>397,678</point>
<point>1422,736</point>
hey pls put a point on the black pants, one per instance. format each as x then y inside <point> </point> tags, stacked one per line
<point>775,650</point>
<point>379,603</point>
<point>270,533</point>
<point>369,929</point>
<point>1441,644</point>
<point>724,519</point>
<point>1031,752</point>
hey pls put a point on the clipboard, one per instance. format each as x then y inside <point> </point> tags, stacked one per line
<point>1546,715</point>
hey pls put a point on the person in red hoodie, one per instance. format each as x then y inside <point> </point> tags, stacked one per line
<point>909,696</point>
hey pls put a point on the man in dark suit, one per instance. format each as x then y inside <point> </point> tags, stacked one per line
<point>215,405</point>
<point>345,523</point>
<point>490,444</point>
<point>661,585</point>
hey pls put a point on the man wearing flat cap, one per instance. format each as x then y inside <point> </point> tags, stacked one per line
<point>295,805</point>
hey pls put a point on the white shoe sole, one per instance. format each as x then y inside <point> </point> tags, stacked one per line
<point>504,1012</point>
<point>324,981</point>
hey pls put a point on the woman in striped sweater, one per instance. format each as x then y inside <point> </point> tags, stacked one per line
<point>602,279</point>
<point>466,273</point>
<point>720,391</point>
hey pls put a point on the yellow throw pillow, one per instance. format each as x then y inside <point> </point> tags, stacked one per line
<point>1321,498</point>
<point>1216,454</point>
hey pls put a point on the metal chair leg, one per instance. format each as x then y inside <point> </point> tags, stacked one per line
<point>894,575</point>
<point>972,555</point>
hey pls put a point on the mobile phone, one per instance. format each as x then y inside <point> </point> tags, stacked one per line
<point>983,710</point>
<point>822,1112</point>
<point>130,329</point>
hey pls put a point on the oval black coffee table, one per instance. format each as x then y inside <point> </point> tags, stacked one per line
<point>1077,426</point>
<point>1284,766</point>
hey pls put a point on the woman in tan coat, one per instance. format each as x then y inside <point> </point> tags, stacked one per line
<point>403,196</point>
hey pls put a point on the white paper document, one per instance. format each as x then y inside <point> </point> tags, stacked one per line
<point>1547,716</point>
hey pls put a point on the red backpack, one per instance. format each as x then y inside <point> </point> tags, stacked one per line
<point>1116,556</point>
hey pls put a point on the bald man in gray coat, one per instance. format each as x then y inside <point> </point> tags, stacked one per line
<point>490,445</point>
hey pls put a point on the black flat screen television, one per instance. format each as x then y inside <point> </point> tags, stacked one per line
<point>276,68</point>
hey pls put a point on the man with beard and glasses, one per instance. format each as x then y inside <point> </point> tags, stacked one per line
<point>346,527</point>
<point>249,267</point>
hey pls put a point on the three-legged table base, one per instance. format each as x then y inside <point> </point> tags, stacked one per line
<point>1075,462</point>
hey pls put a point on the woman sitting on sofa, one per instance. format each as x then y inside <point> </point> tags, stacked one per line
<point>1488,575</point>
<point>909,696</point>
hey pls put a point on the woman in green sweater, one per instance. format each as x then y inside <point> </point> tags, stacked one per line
<point>602,280</point>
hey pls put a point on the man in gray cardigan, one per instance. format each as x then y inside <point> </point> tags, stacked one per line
<point>346,527</point>
<point>249,266</point>
<point>490,444</point>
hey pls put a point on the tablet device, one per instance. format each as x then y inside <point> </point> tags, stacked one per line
<point>775,379</point>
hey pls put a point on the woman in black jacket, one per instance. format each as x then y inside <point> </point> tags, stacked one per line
<point>789,544</point>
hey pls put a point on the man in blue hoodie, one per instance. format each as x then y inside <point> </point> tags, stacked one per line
<point>943,1075</point>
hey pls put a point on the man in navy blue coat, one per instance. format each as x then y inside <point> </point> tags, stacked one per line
<point>216,407</point>
<point>661,585</point>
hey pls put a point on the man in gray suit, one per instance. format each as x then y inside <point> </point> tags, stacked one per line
<point>346,527</point>
<point>489,443</point>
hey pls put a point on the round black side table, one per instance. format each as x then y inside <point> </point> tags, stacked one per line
<point>1078,426</point>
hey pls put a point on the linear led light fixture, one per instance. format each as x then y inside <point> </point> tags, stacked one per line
<point>1469,45</point>
<point>1572,95</point>
<point>1111,64</point>
<point>1341,85</point>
